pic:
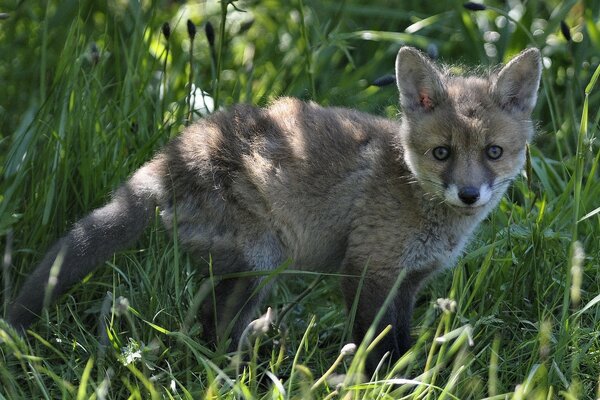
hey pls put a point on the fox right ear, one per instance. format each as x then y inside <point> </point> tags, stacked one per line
<point>419,81</point>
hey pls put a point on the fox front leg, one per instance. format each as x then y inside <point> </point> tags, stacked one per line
<point>372,294</point>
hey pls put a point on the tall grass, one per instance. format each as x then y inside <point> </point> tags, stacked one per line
<point>92,89</point>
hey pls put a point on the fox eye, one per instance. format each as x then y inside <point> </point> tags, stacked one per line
<point>493,152</point>
<point>441,153</point>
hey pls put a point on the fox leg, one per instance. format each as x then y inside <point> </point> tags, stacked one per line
<point>231,306</point>
<point>372,294</point>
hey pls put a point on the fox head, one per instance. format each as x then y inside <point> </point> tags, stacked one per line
<point>464,137</point>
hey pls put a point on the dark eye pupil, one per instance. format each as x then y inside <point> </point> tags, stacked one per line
<point>441,153</point>
<point>494,152</point>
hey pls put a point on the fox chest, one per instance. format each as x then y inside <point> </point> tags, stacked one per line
<point>432,248</point>
<point>420,245</point>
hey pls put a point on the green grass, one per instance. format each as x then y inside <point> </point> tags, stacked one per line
<point>75,123</point>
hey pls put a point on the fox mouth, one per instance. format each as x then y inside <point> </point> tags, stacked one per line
<point>481,203</point>
<point>468,209</point>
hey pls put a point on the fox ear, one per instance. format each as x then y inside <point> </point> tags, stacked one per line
<point>419,81</point>
<point>517,84</point>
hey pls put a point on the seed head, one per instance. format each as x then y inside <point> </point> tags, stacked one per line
<point>348,350</point>
<point>94,54</point>
<point>166,30</point>
<point>191,28</point>
<point>245,26</point>
<point>471,6</point>
<point>262,325</point>
<point>210,33</point>
<point>121,306</point>
<point>577,261</point>
<point>384,80</point>
<point>432,51</point>
<point>564,28</point>
<point>446,305</point>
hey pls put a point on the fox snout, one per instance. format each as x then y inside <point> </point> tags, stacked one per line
<point>468,195</point>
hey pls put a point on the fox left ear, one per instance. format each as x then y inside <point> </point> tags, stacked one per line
<point>517,84</point>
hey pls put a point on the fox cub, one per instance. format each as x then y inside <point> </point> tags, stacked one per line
<point>331,189</point>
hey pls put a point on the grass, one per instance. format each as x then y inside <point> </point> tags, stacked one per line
<point>522,318</point>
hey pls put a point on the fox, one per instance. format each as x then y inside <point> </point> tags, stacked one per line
<point>328,189</point>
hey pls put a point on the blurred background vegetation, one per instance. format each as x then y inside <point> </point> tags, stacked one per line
<point>267,50</point>
<point>89,90</point>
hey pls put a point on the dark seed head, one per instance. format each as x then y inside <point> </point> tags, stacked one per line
<point>384,80</point>
<point>564,28</point>
<point>245,26</point>
<point>166,30</point>
<point>94,53</point>
<point>210,33</point>
<point>191,29</point>
<point>474,6</point>
<point>432,51</point>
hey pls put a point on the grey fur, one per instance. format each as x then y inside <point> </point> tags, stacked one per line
<point>329,188</point>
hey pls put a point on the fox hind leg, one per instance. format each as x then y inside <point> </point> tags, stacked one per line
<point>233,301</point>
<point>229,308</point>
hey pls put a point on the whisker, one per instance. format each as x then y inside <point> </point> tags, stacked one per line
<point>501,182</point>
<point>406,178</point>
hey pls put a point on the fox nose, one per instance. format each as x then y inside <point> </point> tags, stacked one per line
<point>468,195</point>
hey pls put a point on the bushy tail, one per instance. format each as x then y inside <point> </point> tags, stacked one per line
<point>91,241</point>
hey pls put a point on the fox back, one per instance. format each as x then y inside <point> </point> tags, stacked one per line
<point>329,189</point>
